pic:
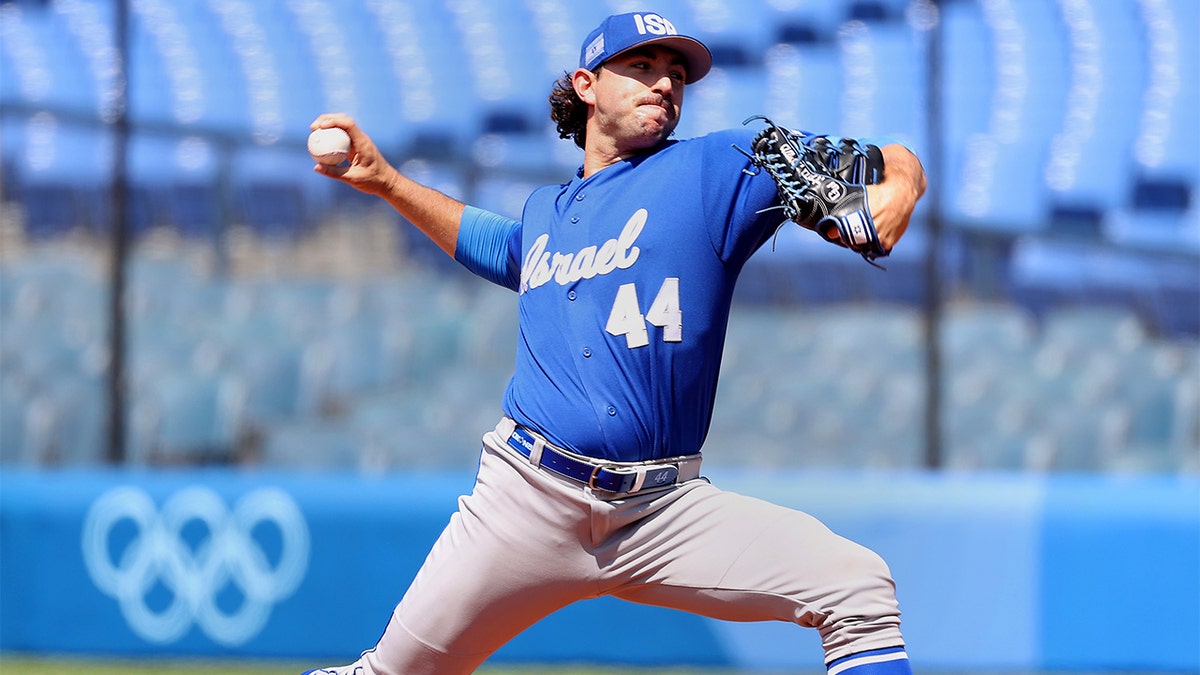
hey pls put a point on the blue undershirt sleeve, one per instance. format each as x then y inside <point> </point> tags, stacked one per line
<point>488,245</point>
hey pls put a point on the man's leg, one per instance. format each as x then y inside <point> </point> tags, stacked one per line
<point>738,558</point>
<point>511,555</point>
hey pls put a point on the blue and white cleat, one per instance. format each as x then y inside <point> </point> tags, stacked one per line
<point>341,670</point>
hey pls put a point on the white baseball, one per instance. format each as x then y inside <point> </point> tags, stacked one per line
<point>329,146</point>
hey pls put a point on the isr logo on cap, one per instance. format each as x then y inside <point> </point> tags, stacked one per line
<point>654,24</point>
<point>622,32</point>
<point>647,24</point>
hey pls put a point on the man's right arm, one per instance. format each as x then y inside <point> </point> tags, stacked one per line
<point>432,212</point>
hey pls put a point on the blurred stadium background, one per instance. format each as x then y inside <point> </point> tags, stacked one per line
<point>183,302</point>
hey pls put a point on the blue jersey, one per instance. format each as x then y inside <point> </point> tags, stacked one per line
<point>626,280</point>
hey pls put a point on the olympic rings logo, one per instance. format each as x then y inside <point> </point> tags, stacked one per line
<point>228,555</point>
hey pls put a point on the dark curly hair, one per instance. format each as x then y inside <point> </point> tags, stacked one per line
<point>568,112</point>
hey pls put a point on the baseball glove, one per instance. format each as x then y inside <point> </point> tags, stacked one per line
<point>822,184</point>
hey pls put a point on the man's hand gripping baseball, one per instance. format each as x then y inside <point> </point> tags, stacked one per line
<point>367,170</point>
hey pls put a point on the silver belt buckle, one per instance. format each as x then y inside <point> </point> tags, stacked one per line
<point>595,473</point>
<point>643,477</point>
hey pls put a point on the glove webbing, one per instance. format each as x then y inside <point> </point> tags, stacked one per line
<point>796,190</point>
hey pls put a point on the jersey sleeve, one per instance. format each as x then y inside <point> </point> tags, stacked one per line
<point>490,246</point>
<point>739,199</point>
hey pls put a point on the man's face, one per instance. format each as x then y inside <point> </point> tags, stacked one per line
<point>639,95</point>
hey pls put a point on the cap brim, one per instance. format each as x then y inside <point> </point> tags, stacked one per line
<point>699,59</point>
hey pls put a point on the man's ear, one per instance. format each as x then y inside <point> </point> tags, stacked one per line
<point>583,80</point>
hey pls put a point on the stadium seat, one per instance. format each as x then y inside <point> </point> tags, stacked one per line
<point>792,70</point>
<point>78,434</point>
<point>1177,307</point>
<point>260,53</point>
<point>197,416</point>
<point>974,335</point>
<point>265,353</point>
<point>309,445</point>
<point>421,55</point>
<point>158,90</point>
<point>1162,291</point>
<point>1084,438</point>
<point>55,320</point>
<point>15,397</point>
<point>275,190</point>
<point>724,98</point>
<point>524,149</point>
<point>990,143</point>
<point>391,98</point>
<point>991,436</point>
<point>1159,384</point>
<point>1167,134</point>
<point>46,44</point>
<point>12,65</point>
<point>361,358</point>
<point>1111,329</point>
<point>806,19</point>
<point>965,91</point>
<point>328,57</point>
<point>173,182</point>
<point>883,76</point>
<point>1154,230</point>
<point>740,22</point>
<point>62,176</point>
<point>505,61</point>
<point>188,70</point>
<point>1104,100</point>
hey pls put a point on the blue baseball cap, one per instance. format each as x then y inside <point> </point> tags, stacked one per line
<point>622,32</point>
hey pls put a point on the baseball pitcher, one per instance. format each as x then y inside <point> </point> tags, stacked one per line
<point>590,484</point>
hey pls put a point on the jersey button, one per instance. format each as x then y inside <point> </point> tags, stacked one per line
<point>574,219</point>
<point>571,295</point>
<point>579,197</point>
<point>587,352</point>
<point>612,412</point>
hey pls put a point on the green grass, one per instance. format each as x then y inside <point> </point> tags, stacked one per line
<point>21,664</point>
<point>25,665</point>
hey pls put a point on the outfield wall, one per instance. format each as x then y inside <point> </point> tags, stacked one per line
<point>995,572</point>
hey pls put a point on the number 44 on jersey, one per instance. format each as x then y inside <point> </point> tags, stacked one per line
<point>626,317</point>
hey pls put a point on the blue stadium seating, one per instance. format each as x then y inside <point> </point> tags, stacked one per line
<point>14,411</point>
<point>61,175</point>
<point>222,92</point>
<point>198,415</point>
<point>967,77</point>
<point>1100,37</point>
<point>52,361</point>
<point>883,82</point>
<point>47,58</point>
<point>722,100</point>
<point>80,427</point>
<point>311,444</point>
<point>1168,136</point>
<point>157,94</point>
<point>814,69</point>
<point>269,67</point>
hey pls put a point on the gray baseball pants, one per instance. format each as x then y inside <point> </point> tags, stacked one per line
<point>527,542</point>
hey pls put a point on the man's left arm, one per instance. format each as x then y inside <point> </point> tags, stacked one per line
<point>893,200</point>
